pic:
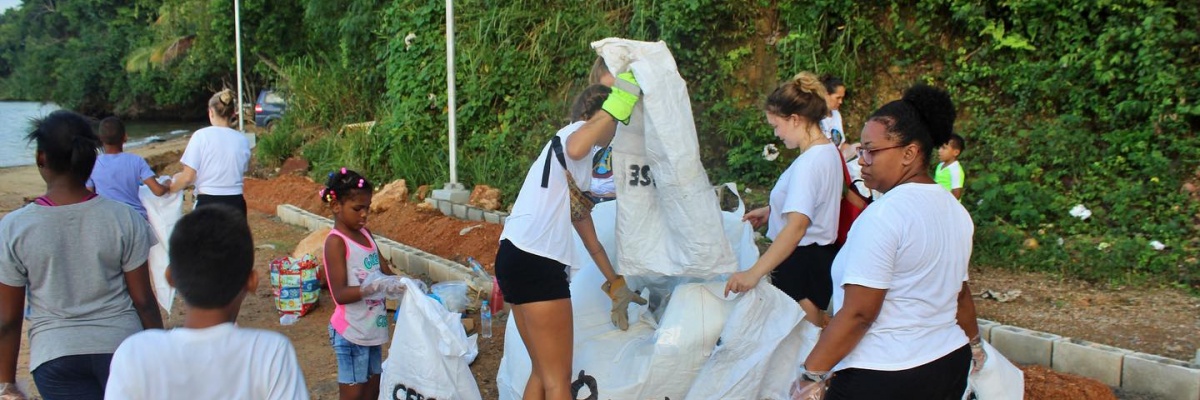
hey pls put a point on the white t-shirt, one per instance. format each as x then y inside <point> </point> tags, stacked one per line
<point>831,126</point>
<point>602,172</point>
<point>812,186</point>
<point>915,242</point>
<point>220,157</point>
<point>540,222</point>
<point>220,362</point>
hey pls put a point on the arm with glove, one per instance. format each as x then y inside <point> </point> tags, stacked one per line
<point>614,285</point>
<point>601,127</point>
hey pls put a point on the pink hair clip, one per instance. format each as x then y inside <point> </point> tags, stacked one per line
<point>360,183</point>
<point>343,170</point>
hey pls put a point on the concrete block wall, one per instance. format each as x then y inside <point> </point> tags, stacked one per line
<point>467,212</point>
<point>410,260</point>
<point>1166,378</point>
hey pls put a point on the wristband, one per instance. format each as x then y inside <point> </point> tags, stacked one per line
<point>815,376</point>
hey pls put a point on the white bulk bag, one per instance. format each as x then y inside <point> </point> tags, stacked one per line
<point>163,212</point>
<point>668,222</point>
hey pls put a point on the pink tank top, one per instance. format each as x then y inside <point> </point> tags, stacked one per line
<point>365,322</point>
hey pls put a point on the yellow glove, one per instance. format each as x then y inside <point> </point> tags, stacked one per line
<point>624,96</point>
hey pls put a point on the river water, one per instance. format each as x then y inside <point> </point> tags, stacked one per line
<point>15,117</point>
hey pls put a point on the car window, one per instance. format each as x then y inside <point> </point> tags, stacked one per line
<point>274,98</point>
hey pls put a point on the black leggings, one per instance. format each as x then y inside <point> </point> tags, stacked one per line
<point>941,379</point>
<point>236,201</point>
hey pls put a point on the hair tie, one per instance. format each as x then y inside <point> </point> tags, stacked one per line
<point>343,170</point>
<point>331,175</point>
<point>360,182</point>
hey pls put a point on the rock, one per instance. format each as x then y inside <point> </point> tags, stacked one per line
<point>485,197</point>
<point>313,244</point>
<point>424,206</point>
<point>1031,244</point>
<point>422,191</point>
<point>294,166</point>
<point>392,195</point>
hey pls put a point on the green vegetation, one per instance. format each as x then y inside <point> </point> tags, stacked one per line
<point>1062,102</point>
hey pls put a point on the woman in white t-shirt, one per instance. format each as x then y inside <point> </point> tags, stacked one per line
<point>831,125</point>
<point>537,244</point>
<point>903,314</point>
<point>802,216</point>
<point>216,157</point>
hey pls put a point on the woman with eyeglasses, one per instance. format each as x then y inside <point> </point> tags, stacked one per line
<point>904,323</point>
<point>802,214</point>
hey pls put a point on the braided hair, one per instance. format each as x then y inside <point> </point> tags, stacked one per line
<point>343,184</point>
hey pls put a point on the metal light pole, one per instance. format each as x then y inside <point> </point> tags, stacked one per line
<point>450,91</point>
<point>237,29</point>
<point>452,191</point>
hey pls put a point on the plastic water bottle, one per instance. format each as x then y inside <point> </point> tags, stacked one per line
<point>288,319</point>
<point>485,320</point>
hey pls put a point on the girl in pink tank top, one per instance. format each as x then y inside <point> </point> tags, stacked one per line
<point>359,326</point>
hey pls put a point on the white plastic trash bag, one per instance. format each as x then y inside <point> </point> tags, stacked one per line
<point>668,356</point>
<point>668,222</point>
<point>430,354</point>
<point>999,379</point>
<point>163,212</point>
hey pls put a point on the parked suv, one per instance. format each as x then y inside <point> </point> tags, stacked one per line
<point>268,108</point>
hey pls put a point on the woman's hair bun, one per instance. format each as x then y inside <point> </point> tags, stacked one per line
<point>808,82</point>
<point>935,109</point>
<point>226,96</point>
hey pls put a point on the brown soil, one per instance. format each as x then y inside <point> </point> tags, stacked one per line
<point>1158,321</point>
<point>1046,384</point>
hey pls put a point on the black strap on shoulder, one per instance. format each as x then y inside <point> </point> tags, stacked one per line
<point>557,151</point>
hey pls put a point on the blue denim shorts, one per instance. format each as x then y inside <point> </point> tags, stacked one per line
<point>355,363</point>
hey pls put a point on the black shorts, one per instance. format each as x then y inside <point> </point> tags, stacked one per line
<point>528,278</point>
<point>941,379</point>
<point>805,274</point>
<point>237,201</point>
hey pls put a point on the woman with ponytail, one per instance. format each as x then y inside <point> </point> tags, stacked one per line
<point>80,259</point>
<point>904,323</point>
<point>216,157</point>
<point>802,215</point>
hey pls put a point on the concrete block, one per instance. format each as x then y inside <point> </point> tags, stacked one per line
<point>417,265</point>
<point>475,214</point>
<point>985,328</point>
<point>460,210</point>
<point>437,271</point>
<point>491,217</point>
<point>445,207</point>
<point>1024,346</point>
<point>1093,360</point>
<point>1168,378</point>
<point>285,212</point>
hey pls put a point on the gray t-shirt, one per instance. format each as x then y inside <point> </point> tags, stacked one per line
<point>72,260</point>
